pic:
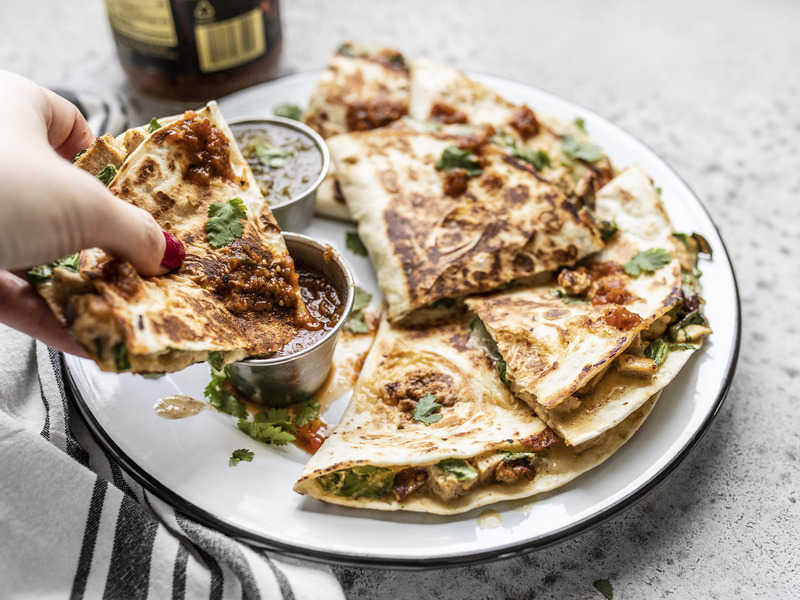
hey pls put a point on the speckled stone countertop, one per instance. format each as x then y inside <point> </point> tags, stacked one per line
<point>714,88</point>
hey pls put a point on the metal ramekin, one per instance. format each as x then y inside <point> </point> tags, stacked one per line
<point>296,213</point>
<point>285,379</point>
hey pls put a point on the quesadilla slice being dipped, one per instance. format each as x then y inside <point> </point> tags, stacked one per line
<point>236,293</point>
<point>587,350</point>
<point>445,216</point>
<point>431,428</point>
<point>562,153</point>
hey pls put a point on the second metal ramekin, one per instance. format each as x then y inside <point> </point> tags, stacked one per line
<point>296,213</point>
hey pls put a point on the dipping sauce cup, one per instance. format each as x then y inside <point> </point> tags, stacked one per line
<point>289,160</point>
<point>281,380</point>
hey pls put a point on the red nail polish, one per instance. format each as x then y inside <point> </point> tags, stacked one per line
<point>174,252</point>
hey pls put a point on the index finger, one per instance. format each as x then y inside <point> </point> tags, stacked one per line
<point>67,130</point>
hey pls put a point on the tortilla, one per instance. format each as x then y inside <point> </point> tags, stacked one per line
<point>427,245</point>
<point>614,398</point>
<point>440,92</point>
<point>556,348</point>
<point>480,421</point>
<point>214,302</point>
<point>361,88</point>
<point>330,202</point>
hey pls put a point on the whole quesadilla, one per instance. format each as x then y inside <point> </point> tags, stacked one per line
<point>236,293</point>
<point>445,216</point>
<point>628,306</point>
<point>431,428</point>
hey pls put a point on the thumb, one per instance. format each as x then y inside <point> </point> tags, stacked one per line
<point>132,234</point>
<point>98,219</point>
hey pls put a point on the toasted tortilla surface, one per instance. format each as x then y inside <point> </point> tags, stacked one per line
<point>427,245</point>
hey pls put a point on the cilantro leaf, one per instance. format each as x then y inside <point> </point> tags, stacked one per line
<point>265,432</point>
<point>215,360</point>
<point>153,125</point>
<point>357,324</point>
<point>361,299</point>
<point>225,222</point>
<point>538,159</point>
<point>220,398</point>
<point>279,417</point>
<point>657,351</point>
<point>353,242</point>
<point>647,261</point>
<point>69,262</point>
<point>427,410</point>
<point>306,412</point>
<point>580,124</point>
<point>356,321</point>
<point>107,174</point>
<point>502,367</point>
<point>288,111</point>
<point>242,454</point>
<point>458,467</point>
<point>456,158</point>
<point>604,587</point>
<point>79,154</point>
<point>39,274</point>
<point>676,332</point>
<point>122,361</point>
<point>272,156</point>
<point>578,150</point>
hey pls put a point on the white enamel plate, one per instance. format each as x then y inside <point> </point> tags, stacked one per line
<point>186,461</point>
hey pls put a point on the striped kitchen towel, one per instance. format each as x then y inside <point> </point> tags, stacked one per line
<point>74,524</point>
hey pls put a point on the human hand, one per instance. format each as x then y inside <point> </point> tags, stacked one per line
<point>50,208</point>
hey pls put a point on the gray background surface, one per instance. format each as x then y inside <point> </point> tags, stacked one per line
<point>714,88</point>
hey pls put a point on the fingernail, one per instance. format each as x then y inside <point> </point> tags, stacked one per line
<point>174,252</point>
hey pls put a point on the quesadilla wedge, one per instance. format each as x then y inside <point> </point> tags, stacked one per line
<point>557,341</point>
<point>445,216</point>
<point>361,88</point>
<point>236,293</point>
<point>561,153</point>
<point>431,428</point>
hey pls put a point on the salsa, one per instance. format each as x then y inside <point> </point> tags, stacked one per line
<point>284,160</point>
<point>323,303</point>
<point>207,147</point>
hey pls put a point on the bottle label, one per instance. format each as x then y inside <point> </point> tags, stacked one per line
<point>146,21</point>
<point>231,42</point>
